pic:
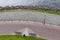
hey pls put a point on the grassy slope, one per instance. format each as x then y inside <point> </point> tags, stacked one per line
<point>48,11</point>
<point>7,10</point>
<point>14,37</point>
<point>39,10</point>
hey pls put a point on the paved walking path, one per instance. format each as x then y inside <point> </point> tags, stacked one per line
<point>50,32</point>
<point>30,16</point>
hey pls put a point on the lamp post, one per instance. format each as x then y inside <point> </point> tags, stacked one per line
<point>44,19</point>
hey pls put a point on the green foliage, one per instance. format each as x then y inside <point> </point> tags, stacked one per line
<point>16,37</point>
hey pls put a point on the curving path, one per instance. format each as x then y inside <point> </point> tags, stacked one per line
<point>50,32</point>
<point>29,16</point>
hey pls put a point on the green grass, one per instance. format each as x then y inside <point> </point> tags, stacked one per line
<point>7,10</point>
<point>15,37</point>
<point>48,11</point>
<point>45,11</point>
<point>38,10</point>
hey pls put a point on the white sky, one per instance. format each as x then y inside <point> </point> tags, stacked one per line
<point>26,2</point>
<point>17,2</point>
<point>9,2</point>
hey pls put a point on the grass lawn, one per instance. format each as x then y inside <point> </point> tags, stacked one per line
<point>7,10</point>
<point>15,37</point>
<point>48,11</point>
<point>39,10</point>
